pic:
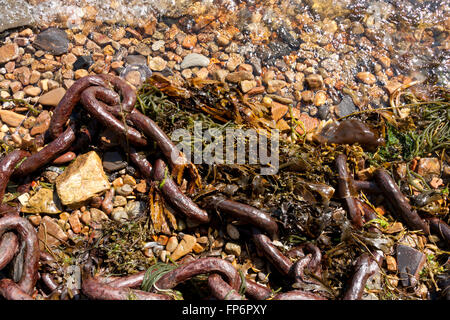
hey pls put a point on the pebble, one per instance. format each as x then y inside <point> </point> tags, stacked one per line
<point>248,85</point>
<point>86,217</point>
<point>233,248</point>
<point>220,75</point>
<point>141,186</point>
<point>320,98</point>
<point>239,76</point>
<point>11,118</point>
<point>367,78</point>
<point>113,161</point>
<point>83,62</point>
<point>194,60</point>
<point>184,247</point>
<point>98,215</point>
<point>172,244</point>
<point>119,214</point>
<point>52,40</point>
<point>157,45</point>
<point>99,38</point>
<point>143,49</point>
<point>52,98</point>
<point>157,64</point>
<point>74,222</point>
<point>275,85</point>
<point>124,190</point>
<point>23,74</point>
<point>345,107</point>
<point>35,220</point>
<point>65,158</point>
<point>9,52</point>
<point>80,73</point>
<point>119,201</point>
<point>189,42</point>
<point>232,232</point>
<point>135,208</point>
<point>79,39</point>
<point>314,81</point>
<point>42,123</point>
<point>278,110</point>
<point>391,263</point>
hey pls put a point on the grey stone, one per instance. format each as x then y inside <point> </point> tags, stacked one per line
<point>256,63</point>
<point>194,60</point>
<point>113,161</point>
<point>410,262</point>
<point>136,59</point>
<point>135,208</point>
<point>83,62</point>
<point>53,40</point>
<point>345,107</point>
<point>15,13</point>
<point>119,215</point>
<point>124,190</point>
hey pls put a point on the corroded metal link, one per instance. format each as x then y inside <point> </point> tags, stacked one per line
<point>89,99</point>
<point>347,191</point>
<point>245,213</point>
<point>28,235</point>
<point>222,290</point>
<point>62,112</point>
<point>95,289</point>
<point>278,260</point>
<point>365,267</point>
<point>47,154</point>
<point>175,196</point>
<point>200,266</point>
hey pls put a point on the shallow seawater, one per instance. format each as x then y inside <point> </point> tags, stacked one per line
<point>414,33</point>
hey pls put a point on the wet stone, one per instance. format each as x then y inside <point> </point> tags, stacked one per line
<point>136,59</point>
<point>124,190</point>
<point>172,244</point>
<point>233,248</point>
<point>194,60</point>
<point>113,161</point>
<point>232,232</point>
<point>53,40</point>
<point>11,118</point>
<point>83,62</point>
<point>119,201</point>
<point>44,201</point>
<point>410,262</point>
<point>239,76</point>
<point>119,215</point>
<point>135,208</point>
<point>184,247</point>
<point>345,107</point>
<point>315,81</point>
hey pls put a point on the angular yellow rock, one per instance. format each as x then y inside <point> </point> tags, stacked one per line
<point>44,201</point>
<point>186,245</point>
<point>82,180</point>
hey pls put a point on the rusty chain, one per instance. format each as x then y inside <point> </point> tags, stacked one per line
<point>302,264</point>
